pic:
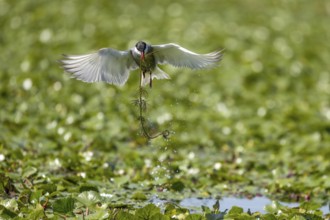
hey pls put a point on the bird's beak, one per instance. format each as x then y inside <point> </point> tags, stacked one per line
<point>142,55</point>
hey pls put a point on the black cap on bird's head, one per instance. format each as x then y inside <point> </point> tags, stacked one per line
<point>141,46</point>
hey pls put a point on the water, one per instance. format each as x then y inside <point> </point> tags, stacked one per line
<point>256,204</point>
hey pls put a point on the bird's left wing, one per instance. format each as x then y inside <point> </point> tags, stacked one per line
<point>180,57</point>
<point>107,65</point>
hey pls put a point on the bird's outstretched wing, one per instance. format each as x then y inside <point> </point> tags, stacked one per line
<point>180,57</point>
<point>107,65</point>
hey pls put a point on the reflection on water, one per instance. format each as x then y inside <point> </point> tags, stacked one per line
<point>256,204</point>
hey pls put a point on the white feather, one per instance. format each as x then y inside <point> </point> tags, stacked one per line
<point>181,57</point>
<point>113,66</point>
<point>107,65</point>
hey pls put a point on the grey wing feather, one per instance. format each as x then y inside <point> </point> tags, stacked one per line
<point>107,65</point>
<point>180,57</point>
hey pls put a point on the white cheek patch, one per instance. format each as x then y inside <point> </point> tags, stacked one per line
<point>137,51</point>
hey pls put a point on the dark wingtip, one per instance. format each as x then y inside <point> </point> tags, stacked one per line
<point>61,61</point>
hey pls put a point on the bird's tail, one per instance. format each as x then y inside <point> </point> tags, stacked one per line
<point>157,73</point>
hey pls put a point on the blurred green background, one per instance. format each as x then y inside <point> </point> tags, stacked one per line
<point>263,115</point>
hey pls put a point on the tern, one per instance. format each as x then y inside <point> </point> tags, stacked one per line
<point>113,66</point>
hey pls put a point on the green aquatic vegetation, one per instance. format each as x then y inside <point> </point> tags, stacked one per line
<point>141,103</point>
<point>90,205</point>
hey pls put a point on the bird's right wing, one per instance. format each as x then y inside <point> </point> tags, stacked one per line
<point>180,57</point>
<point>107,65</point>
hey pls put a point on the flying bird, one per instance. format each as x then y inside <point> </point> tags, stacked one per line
<point>113,66</point>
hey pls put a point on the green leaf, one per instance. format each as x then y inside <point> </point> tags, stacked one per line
<point>298,217</point>
<point>216,206</point>
<point>206,209</point>
<point>64,205</point>
<point>122,215</point>
<point>274,207</point>
<point>49,188</point>
<point>177,186</point>
<point>10,204</point>
<point>89,198</point>
<point>268,217</point>
<point>147,212</point>
<point>29,171</point>
<point>98,215</point>
<point>159,216</point>
<point>121,180</point>
<point>37,213</point>
<point>7,184</point>
<point>87,187</point>
<point>195,217</point>
<point>235,210</point>
<point>6,213</point>
<point>170,209</point>
<point>310,206</point>
<point>35,196</point>
<point>139,196</point>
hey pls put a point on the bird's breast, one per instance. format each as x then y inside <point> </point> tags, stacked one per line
<point>147,64</point>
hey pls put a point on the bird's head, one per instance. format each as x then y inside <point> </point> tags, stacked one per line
<point>142,47</point>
